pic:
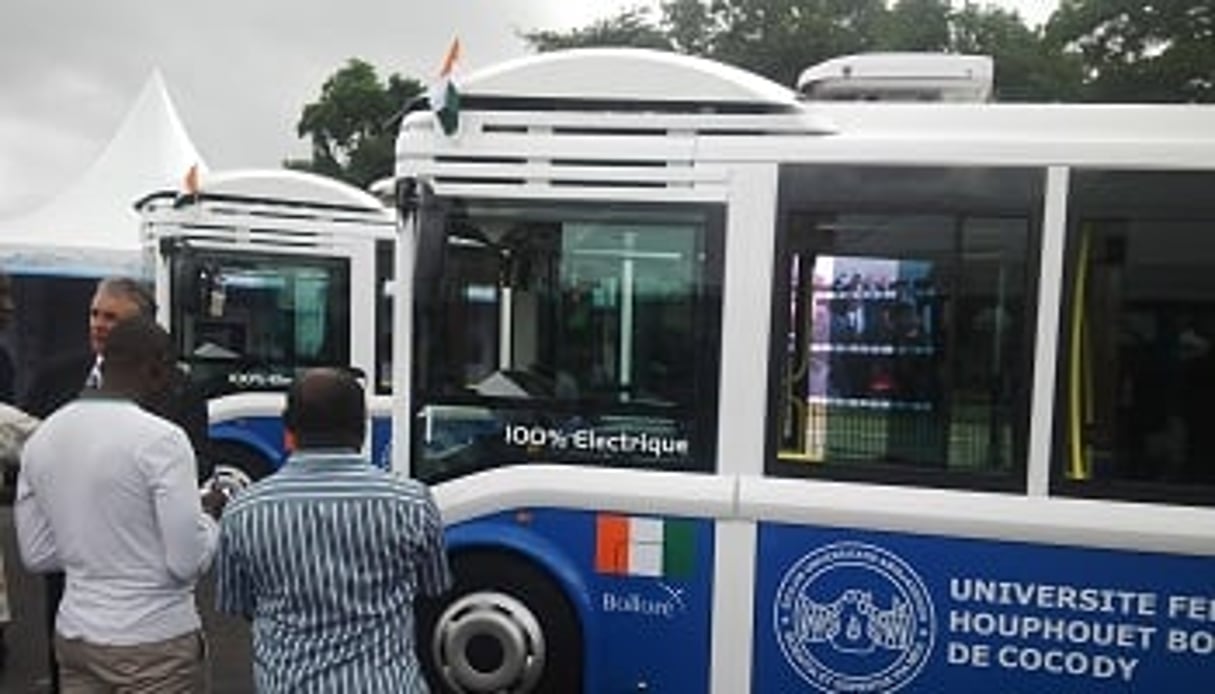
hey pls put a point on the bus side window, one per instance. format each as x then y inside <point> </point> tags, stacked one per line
<point>1138,350</point>
<point>900,324</point>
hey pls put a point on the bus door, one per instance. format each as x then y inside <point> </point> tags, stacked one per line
<point>568,334</point>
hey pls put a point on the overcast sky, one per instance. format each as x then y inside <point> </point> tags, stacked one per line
<point>239,71</point>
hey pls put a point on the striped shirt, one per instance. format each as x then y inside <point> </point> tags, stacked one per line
<point>326,557</point>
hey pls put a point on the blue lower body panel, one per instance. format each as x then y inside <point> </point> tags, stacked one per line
<point>860,611</point>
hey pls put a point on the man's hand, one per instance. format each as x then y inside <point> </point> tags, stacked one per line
<point>214,499</point>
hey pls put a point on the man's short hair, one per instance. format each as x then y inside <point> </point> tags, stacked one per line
<point>136,341</point>
<point>132,289</point>
<point>326,408</point>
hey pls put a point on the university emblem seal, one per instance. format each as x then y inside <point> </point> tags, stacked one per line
<point>854,617</point>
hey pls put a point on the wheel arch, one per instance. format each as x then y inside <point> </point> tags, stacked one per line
<point>226,434</point>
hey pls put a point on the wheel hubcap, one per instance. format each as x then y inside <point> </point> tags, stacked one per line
<point>489,642</point>
<point>230,479</point>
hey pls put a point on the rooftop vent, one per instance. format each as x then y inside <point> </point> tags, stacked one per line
<point>899,77</point>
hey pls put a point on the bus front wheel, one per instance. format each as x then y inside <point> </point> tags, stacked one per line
<point>505,627</point>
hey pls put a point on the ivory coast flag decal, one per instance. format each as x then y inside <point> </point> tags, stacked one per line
<point>642,546</point>
<point>444,97</point>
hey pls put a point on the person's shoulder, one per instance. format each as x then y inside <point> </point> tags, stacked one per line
<point>66,362</point>
<point>55,381</point>
<point>131,413</point>
<point>380,483</point>
<point>406,489</point>
<point>61,425</point>
<point>267,491</point>
<point>11,415</point>
<point>243,502</point>
<point>15,427</point>
<point>61,373</point>
<point>154,432</point>
<point>64,416</point>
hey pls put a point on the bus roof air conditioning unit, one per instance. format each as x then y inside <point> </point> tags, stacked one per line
<point>899,77</point>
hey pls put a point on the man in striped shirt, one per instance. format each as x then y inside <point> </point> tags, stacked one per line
<point>327,555</point>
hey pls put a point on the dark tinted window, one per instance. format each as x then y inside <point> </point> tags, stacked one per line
<point>901,324</point>
<point>249,321</point>
<point>566,334</point>
<point>1138,338</point>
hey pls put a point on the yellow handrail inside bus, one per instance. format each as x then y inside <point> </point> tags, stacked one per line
<point>1078,468</point>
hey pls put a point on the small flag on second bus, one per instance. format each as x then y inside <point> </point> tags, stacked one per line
<point>642,546</point>
<point>191,182</point>
<point>444,97</point>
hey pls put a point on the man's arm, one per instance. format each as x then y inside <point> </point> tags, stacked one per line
<point>190,536</point>
<point>35,537</point>
<point>233,589</point>
<point>434,574</point>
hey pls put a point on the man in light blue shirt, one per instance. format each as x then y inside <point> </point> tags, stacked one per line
<point>327,556</point>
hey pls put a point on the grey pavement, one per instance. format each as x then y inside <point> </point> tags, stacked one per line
<point>25,670</point>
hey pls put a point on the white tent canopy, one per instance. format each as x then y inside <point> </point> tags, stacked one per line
<point>91,227</point>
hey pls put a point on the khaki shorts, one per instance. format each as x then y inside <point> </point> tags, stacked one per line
<point>175,666</point>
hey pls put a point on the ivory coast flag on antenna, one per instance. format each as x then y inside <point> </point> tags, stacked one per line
<point>190,182</point>
<point>444,97</point>
<point>642,546</point>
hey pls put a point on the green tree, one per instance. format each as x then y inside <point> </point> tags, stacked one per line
<point>353,125</point>
<point>780,38</point>
<point>689,26</point>
<point>917,25</point>
<point>1140,51</point>
<point>630,27</point>
<point>776,38</point>
<point>1028,67</point>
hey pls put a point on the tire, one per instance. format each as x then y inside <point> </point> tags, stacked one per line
<point>505,627</point>
<point>236,466</point>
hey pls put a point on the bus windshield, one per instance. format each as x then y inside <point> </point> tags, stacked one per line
<point>247,321</point>
<point>566,334</point>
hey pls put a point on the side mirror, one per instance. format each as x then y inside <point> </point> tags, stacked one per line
<point>209,287</point>
<point>188,292</point>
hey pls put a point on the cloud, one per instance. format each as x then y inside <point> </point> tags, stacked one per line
<point>240,72</point>
<point>36,156</point>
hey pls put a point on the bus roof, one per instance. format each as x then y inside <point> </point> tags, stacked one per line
<point>606,123</point>
<point>627,75</point>
<point>278,186</point>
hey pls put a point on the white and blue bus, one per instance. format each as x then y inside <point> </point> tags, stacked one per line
<point>260,273</point>
<point>724,390</point>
